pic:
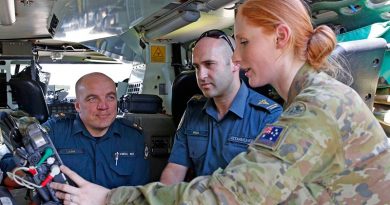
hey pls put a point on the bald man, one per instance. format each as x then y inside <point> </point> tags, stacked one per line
<point>102,149</point>
<point>99,147</point>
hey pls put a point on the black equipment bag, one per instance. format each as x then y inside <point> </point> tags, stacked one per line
<point>5,197</point>
<point>140,103</point>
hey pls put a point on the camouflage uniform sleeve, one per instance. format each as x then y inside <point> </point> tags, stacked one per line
<point>307,149</point>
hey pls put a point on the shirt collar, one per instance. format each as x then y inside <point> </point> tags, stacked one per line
<point>237,107</point>
<point>78,126</point>
<point>303,76</point>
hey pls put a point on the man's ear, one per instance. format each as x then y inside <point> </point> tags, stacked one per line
<point>283,34</point>
<point>77,106</point>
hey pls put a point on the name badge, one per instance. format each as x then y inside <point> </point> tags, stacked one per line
<point>240,140</point>
<point>70,151</point>
<point>124,154</point>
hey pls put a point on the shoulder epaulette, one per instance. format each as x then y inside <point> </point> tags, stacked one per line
<point>137,126</point>
<point>60,116</point>
<point>265,103</point>
<point>129,123</point>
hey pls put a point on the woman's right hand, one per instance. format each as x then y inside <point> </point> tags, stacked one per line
<point>86,193</point>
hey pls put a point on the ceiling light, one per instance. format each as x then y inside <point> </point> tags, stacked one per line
<point>184,18</point>
<point>101,61</point>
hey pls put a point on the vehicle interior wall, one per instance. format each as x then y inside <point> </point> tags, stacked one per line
<point>159,74</point>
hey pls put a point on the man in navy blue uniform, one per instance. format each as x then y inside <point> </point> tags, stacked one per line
<point>100,148</point>
<point>219,125</point>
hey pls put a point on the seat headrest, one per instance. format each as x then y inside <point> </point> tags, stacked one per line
<point>183,88</point>
<point>30,98</point>
<point>364,59</point>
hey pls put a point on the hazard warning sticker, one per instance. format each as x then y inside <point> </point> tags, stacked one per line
<point>157,54</point>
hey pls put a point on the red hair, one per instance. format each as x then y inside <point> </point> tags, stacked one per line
<point>309,44</point>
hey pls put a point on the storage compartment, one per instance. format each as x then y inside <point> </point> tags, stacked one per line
<point>140,103</point>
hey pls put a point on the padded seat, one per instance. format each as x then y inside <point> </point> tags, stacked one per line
<point>158,131</point>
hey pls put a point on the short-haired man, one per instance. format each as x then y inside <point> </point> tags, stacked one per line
<point>220,125</point>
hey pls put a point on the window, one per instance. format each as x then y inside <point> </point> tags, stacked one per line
<point>64,76</point>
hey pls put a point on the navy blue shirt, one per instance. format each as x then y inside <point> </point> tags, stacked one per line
<point>113,160</point>
<point>204,143</point>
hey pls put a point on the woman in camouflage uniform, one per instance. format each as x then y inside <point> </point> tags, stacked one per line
<point>327,147</point>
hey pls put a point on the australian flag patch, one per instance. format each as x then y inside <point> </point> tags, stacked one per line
<point>271,136</point>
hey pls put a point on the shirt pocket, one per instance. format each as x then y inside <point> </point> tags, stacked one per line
<point>235,145</point>
<point>123,163</point>
<point>74,158</point>
<point>197,143</point>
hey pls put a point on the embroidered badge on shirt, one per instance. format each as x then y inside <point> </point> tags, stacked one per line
<point>268,105</point>
<point>273,106</point>
<point>146,152</point>
<point>271,136</point>
<point>263,102</point>
<point>296,109</point>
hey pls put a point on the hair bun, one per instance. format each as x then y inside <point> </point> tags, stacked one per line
<point>320,46</point>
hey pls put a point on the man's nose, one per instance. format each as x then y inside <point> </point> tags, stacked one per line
<point>202,73</point>
<point>103,105</point>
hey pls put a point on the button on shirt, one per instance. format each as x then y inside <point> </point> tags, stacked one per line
<point>115,159</point>
<point>205,143</point>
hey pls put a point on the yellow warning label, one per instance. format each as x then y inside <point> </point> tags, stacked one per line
<point>157,54</point>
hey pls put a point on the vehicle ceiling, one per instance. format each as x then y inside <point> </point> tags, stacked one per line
<point>114,18</point>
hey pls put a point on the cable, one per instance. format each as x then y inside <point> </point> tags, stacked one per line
<point>21,181</point>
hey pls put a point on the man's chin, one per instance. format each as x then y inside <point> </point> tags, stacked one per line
<point>102,127</point>
<point>254,83</point>
<point>208,94</point>
<point>103,124</point>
